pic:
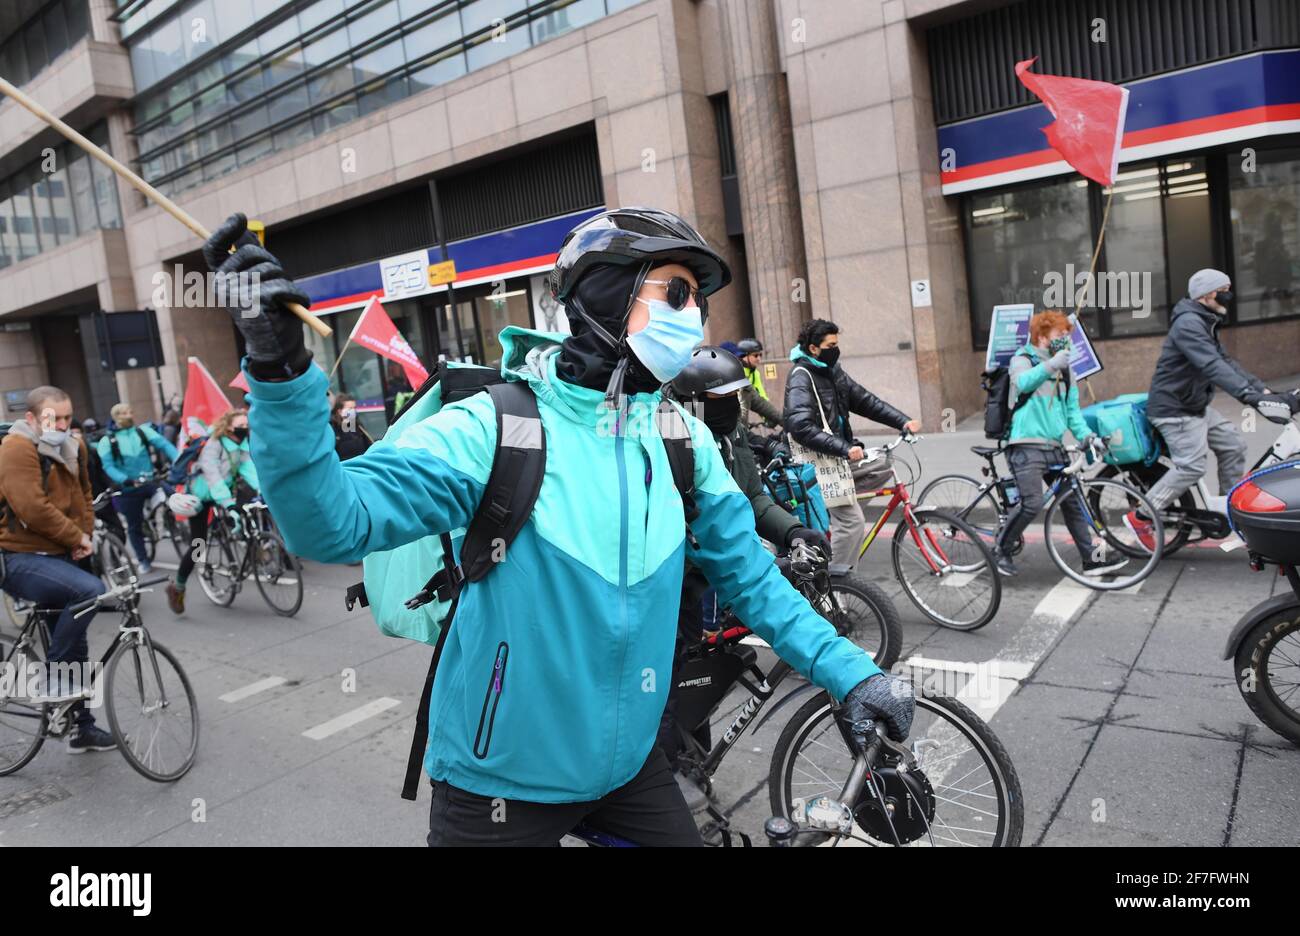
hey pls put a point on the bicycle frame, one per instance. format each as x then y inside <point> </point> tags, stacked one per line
<point>898,495</point>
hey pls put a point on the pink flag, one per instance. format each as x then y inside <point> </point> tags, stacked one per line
<point>205,401</point>
<point>1089,126</point>
<point>376,331</point>
<point>239,383</point>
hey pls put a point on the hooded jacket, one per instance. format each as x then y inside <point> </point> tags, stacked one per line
<point>47,516</point>
<point>554,677</point>
<point>1192,362</point>
<point>809,381</point>
<point>1053,406</point>
<point>132,447</point>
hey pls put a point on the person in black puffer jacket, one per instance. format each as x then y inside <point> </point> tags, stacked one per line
<point>350,440</point>
<point>818,378</point>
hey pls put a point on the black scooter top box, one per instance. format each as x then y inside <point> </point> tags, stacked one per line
<point>1265,509</point>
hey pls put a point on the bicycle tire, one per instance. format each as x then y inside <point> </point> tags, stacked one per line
<point>264,570</point>
<point>1142,481</point>
<point>886,623</point>
<point>985,568</point>
<point>820,707</point>
<point>980,502</point>
<point>124,742</point>
<point>1090,491</point>
<point>1252,657</point>
<point>218,544</point>
<point>41,712</point>
<point>116,566</point>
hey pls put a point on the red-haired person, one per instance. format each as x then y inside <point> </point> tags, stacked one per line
<point>1041,371</point>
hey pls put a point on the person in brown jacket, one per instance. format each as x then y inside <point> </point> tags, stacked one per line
<point>45,527</point>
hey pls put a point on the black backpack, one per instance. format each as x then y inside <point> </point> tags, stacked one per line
<point>117,452</point>
<point>998,411</point>
<point>512,488</point>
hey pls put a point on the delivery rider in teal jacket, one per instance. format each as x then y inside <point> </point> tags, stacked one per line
<point>570,638</point>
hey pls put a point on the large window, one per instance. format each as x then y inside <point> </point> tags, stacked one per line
<point>57,27</point>
<point>303,71</point>
<point>1265,196</point>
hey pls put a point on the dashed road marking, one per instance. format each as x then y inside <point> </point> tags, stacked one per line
<point>348,719</point>
<point>235,695</point>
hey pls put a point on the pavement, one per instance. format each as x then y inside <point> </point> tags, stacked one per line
<point>1121,718</point>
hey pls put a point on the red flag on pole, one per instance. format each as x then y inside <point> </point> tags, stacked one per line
<point>376,331</point>
<point>1089,126</point>
<point>239,383</point>
<point>205,401</point>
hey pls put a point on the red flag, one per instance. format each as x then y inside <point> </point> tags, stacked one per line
<point>376,331</point>
<point>205,401</point>
<point>1089,126</point>
<point>239,383</point>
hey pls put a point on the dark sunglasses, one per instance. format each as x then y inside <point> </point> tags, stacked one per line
<point>680,291</point>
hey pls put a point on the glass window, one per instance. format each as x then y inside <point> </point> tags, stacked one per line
<point>199,29</point>
<point>216,137</point>
<point>480,14</point>
<point>251,151</point>
<point>29,244</point>
<point>494,49</point>
<point>412,8</point>
<point>335,115</point>
<point>288,102</point>
<point>15,61</point>
<point>210,105</point>
<point>332,81</point>
<point>34,39</point>
<point>44,212</point>
<point>318,13</point>
<point>380,93</point>
<point>1017,238</point>
<point>431,36</point>
<point>1266,234</point>
<point>573,16</point>
<point>216,168</point>
<point>110,212</point>
<point>56,31</point>
<point>169,48</point>
<point>1135,253</point>
<point>246,87</point>
<point>249,122</point>
<point>325,48</point>
<point>235,16</point>
<point>615,5</point>
<point>286,65</point>
<point>495,312</point>
<point>378,61</point>
<point>77,14</point>
<point>263,8</point>
<point>83,192</point>
<point>293,134</point>
<point>373,20</point>
<point>65,223</point>
<point>450,66</point>
<point>277,36</point>
<point>236,59</point>
<point>144,63</point>
<point>8,238</point>
<point>1188,227</point>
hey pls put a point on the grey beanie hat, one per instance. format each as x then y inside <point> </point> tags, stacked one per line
<point>1204,282</point>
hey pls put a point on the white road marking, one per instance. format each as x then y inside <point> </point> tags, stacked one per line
<point>235,695</point>
<point>348,719</point>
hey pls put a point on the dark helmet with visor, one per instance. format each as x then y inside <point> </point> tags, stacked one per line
<point>712,370</point>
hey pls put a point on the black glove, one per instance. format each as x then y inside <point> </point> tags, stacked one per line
<point>257,294</point>
<point>879,698</point>
<point>1276,407</point>
<point>811,537</point>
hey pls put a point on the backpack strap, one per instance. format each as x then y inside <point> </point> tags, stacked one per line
<point>420,737</point>
<point>681,457</point>
<point>112,443</point>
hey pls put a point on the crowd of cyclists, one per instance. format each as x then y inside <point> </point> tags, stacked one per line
<point>618,565</point>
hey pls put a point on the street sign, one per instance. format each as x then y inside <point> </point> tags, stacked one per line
<point>442,273</point>
<point>921,294</point>
<point>403,275</point>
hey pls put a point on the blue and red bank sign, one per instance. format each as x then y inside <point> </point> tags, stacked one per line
<point>1238,99</point>
<point>529,248</point>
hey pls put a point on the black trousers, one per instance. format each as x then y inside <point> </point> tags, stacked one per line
<point>648,810</point>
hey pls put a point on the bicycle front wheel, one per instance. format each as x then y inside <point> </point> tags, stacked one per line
<point>152,710</point>
<point>966,499</point>
<point>218,566</point>
<point>946,569</point>
<point>115,565</point>
<point>1110,557</point>
<point>964,793</point>
<point>278,573</point>
<point>865,614</point>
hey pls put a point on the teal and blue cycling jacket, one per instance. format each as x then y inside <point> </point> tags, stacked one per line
<point>554,676</point>
<point>135,461</point>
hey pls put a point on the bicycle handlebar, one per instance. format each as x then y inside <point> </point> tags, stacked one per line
<point>126,589</point>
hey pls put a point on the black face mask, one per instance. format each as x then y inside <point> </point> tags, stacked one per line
<point>1224,297</point>
<point>586,359</point>
<point>240,434</point>
<point>720,414</point>
<point>829,356</point>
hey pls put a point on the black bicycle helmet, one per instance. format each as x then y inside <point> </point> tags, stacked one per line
<point>749,346</point>
<point>712,370</point>
<point>640,237</point>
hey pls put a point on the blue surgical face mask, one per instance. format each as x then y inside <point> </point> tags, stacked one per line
<point>664,346</point>
<point>54,437</point>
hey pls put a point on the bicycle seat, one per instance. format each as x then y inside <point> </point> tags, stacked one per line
<point>985,451</point>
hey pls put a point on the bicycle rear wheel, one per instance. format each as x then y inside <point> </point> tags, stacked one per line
<point>966,499</point>
<point>1104,505</point>
<point>1177,530</point>
<point>865,614</point>
<point>115,564</point>
<point>152,710</point>
<point>965,774</point>
<point>23,723</point>
<point>278,573</point>
<point>946,569</point>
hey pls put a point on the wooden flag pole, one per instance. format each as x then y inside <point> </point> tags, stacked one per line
<point>1092,272</point>
<point>143,187</point>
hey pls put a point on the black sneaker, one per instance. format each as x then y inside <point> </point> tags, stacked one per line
<point>1096,569</point>
<point>93,738</point>
<point>1005,566</point>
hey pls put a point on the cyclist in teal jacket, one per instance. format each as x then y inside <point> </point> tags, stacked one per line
<point>552,683</point>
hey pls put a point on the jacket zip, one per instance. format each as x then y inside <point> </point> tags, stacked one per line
<point>620,458</point>
<point>493,698</point>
